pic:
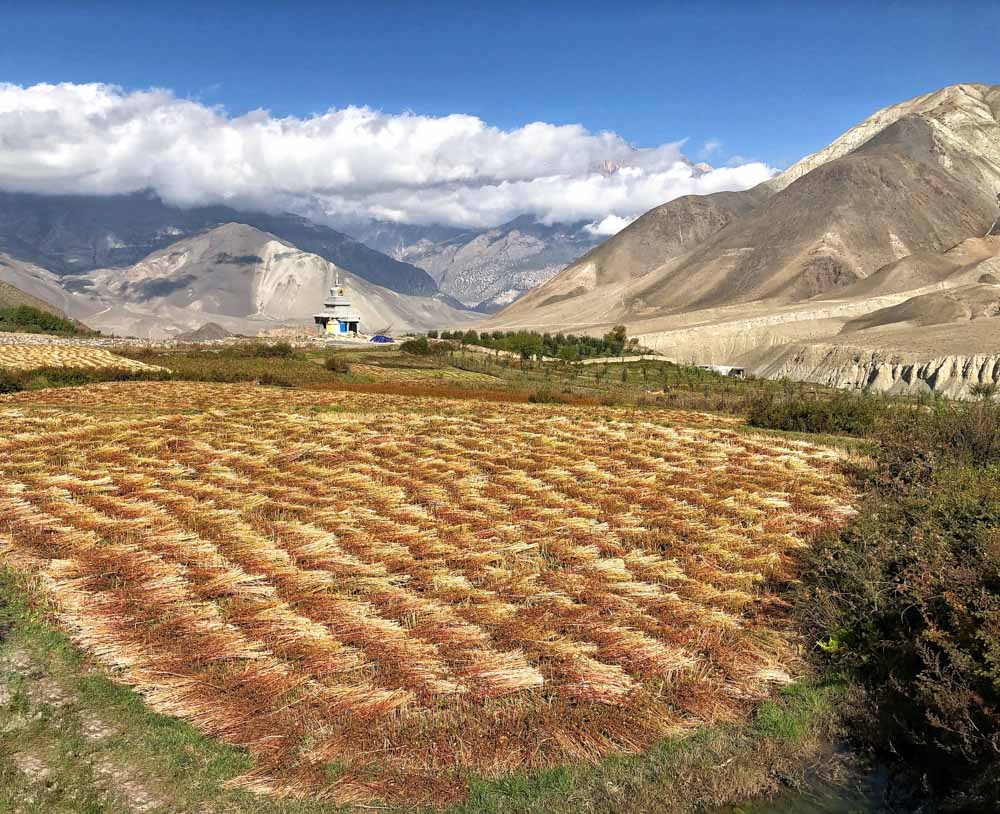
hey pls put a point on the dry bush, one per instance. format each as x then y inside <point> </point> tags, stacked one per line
<point>379,599</point>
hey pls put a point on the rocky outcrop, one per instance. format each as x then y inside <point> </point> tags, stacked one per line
<point>877,371</point>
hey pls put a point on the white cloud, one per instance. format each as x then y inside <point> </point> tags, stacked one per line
<point>709,148</point>
<point>611,225</point>
<point>345,163</point>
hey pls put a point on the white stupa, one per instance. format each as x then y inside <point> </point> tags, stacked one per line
<point>338,318</point>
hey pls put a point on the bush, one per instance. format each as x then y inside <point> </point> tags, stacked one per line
<point>416,347</point>
<point>839,414</point>
<point>546,396</point>
<point>9,383</point>
<point>34,320</point>
<point>907,599</point>
<point>273,380</point>
<point>279,350</point>
<point>335,364</point>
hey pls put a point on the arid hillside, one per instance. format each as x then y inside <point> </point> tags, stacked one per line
<point>891,207</point>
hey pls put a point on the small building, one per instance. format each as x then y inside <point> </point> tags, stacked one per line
<point>337,317</point>
<point>726,370</point>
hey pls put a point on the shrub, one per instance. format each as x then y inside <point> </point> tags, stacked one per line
<point>273,380</point>
<point>9,383</point>
<point>279,350</point>
<point>907,599</point>
<point>416,347</point>
<point>546,396</point>
<point>336,364</point>
<point>34,320</point>
<point>983,390</point>
<point>839,414</point>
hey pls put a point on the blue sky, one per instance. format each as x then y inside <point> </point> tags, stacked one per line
<point>772,81</point>
<point>768,82</point>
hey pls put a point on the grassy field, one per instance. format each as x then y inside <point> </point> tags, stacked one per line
<point>396,599</point>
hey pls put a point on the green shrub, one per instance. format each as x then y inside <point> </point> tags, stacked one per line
<point>336,364</point>
<point>279,350</point>
<point>9,383</point>
<point>838,414</point>
<point>907,599</point>
<point>416,347</point>
<point>33,320</point>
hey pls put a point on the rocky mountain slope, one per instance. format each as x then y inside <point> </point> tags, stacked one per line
<point>917,177</point>
<point>13,297</point>
<point>70,234</point>
<point>236,276</point>
<point>863,234</point>
<point>484,268</point>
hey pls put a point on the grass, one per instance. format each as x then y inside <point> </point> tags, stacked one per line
<point>503,589</point>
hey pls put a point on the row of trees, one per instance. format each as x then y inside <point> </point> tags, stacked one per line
<point>528,344</point>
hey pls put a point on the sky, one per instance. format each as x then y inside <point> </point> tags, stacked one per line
<point>460,113</point>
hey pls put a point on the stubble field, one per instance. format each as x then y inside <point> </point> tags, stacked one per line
<point>379,597</point>
<point>23,357</point>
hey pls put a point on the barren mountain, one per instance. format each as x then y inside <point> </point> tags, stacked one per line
<point>69,234</point>
<point>857,240</point>
<point>484,268</point>
<point>915,178</point>
<point>236,276</point>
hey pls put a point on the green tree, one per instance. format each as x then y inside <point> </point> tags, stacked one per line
<point>615,339</point>
<point>526,344</point>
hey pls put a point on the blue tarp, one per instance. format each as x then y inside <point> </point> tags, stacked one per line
<point>381,339</point>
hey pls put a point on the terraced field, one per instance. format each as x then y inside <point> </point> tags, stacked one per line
<point>379,597</point>
<point>22,357</point>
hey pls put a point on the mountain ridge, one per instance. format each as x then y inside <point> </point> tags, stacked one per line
<point>70,234</point>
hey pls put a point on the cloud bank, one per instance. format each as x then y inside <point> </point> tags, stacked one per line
<point>344,164</point>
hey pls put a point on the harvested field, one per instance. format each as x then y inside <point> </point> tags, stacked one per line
<point>38,356</point>
<point>381,596</point>
<point>420,374</point>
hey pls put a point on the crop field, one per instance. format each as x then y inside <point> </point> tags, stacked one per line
<point>421,374</point>
<point>35,357</point>
<point>380,597</point>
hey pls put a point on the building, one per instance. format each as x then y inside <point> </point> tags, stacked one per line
<point>338,318</point>
<point>726,370</point>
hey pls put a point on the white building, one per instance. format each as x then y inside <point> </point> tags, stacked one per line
<point>338,318</point>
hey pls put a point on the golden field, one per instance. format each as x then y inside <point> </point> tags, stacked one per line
<point>381,596</point>
<point>23,357</point>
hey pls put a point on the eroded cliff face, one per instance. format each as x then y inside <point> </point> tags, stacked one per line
<point>881,371</point>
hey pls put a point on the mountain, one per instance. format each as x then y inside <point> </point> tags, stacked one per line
<point>483,268</point>
<point>663,233</point>
<point>70,234</point>
<point>236,276</point>
<point>13,297</point>
<point>919,176</point>
<point>871,240</point>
